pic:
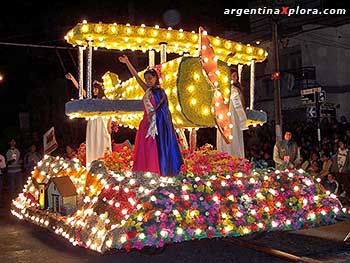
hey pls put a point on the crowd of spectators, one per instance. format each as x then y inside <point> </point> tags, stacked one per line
<point>328,160</point>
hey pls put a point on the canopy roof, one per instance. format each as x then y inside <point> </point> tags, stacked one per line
<point>143,38</point>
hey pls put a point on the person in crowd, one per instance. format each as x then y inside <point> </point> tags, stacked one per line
<point>70,153</point>
<point>268,159</point>
<point>2,170</point>
<point>2,164</point>
<point>331,184</point>
<point>285,152</point>
<point>341,163</point>
<point>299,161</point>
<point>326,165</point>
<point>14,168</point>
<point>343,124</point>
<point>341,166</point>
<point>31,159</point>
<point>156,147</point>
<point>313,169</point>
<point>347,137</point>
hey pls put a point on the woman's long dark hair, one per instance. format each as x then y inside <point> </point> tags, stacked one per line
<point>154,73</point>
<point>100,94</point>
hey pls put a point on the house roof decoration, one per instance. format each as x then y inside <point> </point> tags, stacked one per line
<point>65,186</point>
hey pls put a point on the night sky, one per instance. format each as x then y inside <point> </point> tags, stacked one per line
<point>34,77</point>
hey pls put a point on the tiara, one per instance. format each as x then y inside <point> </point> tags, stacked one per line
<point>156,68</point>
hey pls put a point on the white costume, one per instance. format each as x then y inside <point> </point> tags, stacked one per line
<point>98,139</point>
<point>239,120</point>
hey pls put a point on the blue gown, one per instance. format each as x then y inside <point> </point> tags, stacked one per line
<point>170,159</point>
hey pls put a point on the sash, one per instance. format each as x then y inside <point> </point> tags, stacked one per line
<point>152,129</point>
<point>237,105</point>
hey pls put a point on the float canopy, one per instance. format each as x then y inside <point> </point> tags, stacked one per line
<point>143,38</point>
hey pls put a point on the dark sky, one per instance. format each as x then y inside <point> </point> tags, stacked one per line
<point>34,77</point>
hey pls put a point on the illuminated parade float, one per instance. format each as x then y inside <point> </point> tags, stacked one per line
<point>103,205</point>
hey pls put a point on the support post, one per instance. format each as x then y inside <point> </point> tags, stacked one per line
<point>193,139</point>
<point>151,58</point>
<point>89,70</point>
<point>240,69</point>
<point>252,85</point>
<point>81,72</point>
<point>162,52</point>
<point>318,117</point>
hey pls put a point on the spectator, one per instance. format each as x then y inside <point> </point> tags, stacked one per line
<point>285,152</point>
<point>344,124</point>
<point>326,165</point>
<point>2,164</point>
<point>70,153</point>
<point>331,184</point>
<point>267,158</point>
<point>347,137</point>
<point>313,169</point>
<point>341,163</point>
<point>341,167</point>
<point>14,170</point>
<point>2,167</point>
<point>31,159</point>
<point>300,161</point>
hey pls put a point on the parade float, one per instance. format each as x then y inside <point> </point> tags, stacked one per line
<point>105,206</point>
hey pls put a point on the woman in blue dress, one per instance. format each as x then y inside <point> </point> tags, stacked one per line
<point>156,111</point>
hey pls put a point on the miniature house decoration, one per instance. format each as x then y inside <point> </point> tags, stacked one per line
<point>62,195</point>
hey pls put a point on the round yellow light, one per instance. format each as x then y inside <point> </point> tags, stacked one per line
<point>238,47</point>
<point>84,28</point>
<point>190,88</point>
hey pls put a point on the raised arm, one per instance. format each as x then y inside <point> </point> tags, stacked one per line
<point>75,82</point>
<point>124,59</point>
<point>109,125</point>
<point>229,55</point>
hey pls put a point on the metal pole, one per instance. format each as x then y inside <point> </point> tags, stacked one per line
<point>162,52</point>
<point>318,115</point>
<point>151,58</point>
<point>276,83</point>
<point>81,72</point>
<point>240,68</point>
<point>89,71</point>
<point>193,139</point>
<point>252,84</point>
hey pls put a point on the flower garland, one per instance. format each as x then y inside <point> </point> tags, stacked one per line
<point>208,161</point>
<point>215,195</point>
<point>217,206</point>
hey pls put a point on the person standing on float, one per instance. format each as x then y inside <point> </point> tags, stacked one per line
<point>238,118</point>
<point>98,130</point>
<point>156,147</point>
